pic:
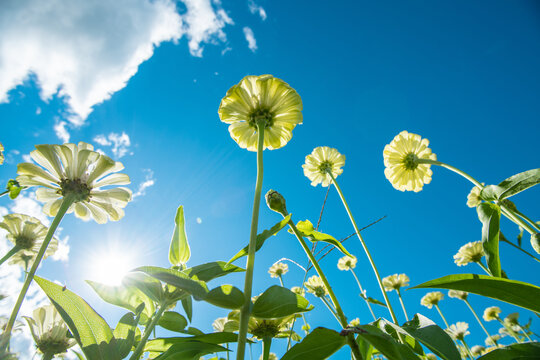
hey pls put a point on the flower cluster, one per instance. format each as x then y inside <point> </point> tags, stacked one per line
<point>431,299</point>
<point>470,252</point>
<point>315,286</point>
<point>346,263</point>
<point>492,313</point>
<point>322,162</point>
<point>458,331</point>
<point>278,269</point>
<point>395,282</point>
<point>458,294</point>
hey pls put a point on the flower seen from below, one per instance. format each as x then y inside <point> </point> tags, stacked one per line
<point>470,252</point>
<point>401,161</point>
<point>315,286</point>
<point>261,101</point>
<point>432,298</point>
<point>346,263</point>
<point>26,233</point>
<point>490,341</point>
<point>79,172</point>
<point>458,294</point>
<point>219,324</point>
<point>395,282</point>
<point>492,313</point>
<point>261,328</point>
<point>512,319</point>
<point>298,290</point>
<point>458,331</point>
<point>354,322</point>
<point>322,162</point>
<point>477,350</point>
<point>278,269</point>
<point>473,199</point>
<point>271,356</point>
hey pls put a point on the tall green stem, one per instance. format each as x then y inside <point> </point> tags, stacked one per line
<point>267,343</point>
<point>248,283</point>
<point>510,331</point>
<point>364,296</point>
<point>4,193</point>
<point>440,313</point>
<point>147,331</point>
<point>483,267</point>
<point>66,203</point>
<point>47,356</point>
<point>329,307</point>
<point>479,321</point>
<point>467,348</point>
<point>9,254</point>
<point>519,248</point>
<point>402,304</point>
<point>394,318</point>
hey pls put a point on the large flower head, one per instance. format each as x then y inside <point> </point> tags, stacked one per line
<point>315,286</point>
<point>346,263</point>
<point>278,269</point>
<point>462,295</point>
<point>261,100</point>
<point>459,330</point>
<point>79,172</point>
<point>403,169</point>
<point>492,313</point>
<point>49,331</point>
<point>26,233</point>
<point>395,282</point>
<point>432,298</point>
<point>470,252</point>
<point>322,162</point>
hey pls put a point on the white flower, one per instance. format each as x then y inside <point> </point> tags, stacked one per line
<point>315,286</point>
<point>458,294</point>
<point>470,252</point>
<point>490,340</point>
<point>492,313</point>
<point>219,324</point>
<point>354,322</point>
<point>458,331</point>
<point>346,263</point>
<point>322,161</point>
<point>477,350</point>
<point>395,282</point>
<point>512,319</point>
<point>431,298</point>
<point>473,199</point>
<point>278,269</point>
<point>271,356</point>
<point>49,331</point>
<point>298,290</point>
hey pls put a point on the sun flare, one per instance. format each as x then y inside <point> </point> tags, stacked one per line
<point>111,267</point>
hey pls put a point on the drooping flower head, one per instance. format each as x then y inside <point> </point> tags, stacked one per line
<point>298,290</point>
<point>403,169</point>
<point>473,199</point>
<point>346,263</point>
<point>431,298</point>
<point>263,100</point>
<point>278,269</point>
<point>492,313</point>
<point>79,172</point>
<point>512,319</point>
<point>315,286</point>
<point>395,282</point>
<point>470,252</point>
<point>322,161</point>
<point>49,331</point>
<point>459,330</point>
<point>458,294</point>
<point>27,233</point>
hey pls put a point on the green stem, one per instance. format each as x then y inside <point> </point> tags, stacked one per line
<point>4,193</point>
<point>325,301</point>
<point>9,254</point>
<point>47,356</point>
<point>402,304</point>
<point>281,281</point>
<point>66,203</point>
<point>147,331</point>
<point>524,332</point>
<point>267,343</point>
<point>516,219</point>
<point>483,267</point>
<point>467,348</point>
<point>248,283</point>
<point>519,248</point>
<point>530,221</point>
<point>364,295</point>
<point>440,313</point>
<point>510,331</point>
<point>394,318</point>
<point>227,352</point>
<point>479,321</point>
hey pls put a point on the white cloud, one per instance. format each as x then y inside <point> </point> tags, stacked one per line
<point>250,37</point>
<point>27,158</point>
<point>257,9</point>
<point>148,182</point>
<point>84,51</point>
<point>61,131</point>
<point>120,143</point>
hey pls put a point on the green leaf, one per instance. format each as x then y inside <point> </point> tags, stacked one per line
<point>177,279</point>
<point>14,188</point>
<point>124,332</point>
<point>278,302</point>
<point>190,350</point>
<point>163,344</point>
<point>307,230</point>
<point>519,182</point>
<point>366,349</point>
<point>127,297</point>
<point>179,252</point>
<point>375,301</point>
<point>261,238</point>
<point>525,351</point>
<point>226,296</point>
<point>211,270</point>
<point>187,304</point>
<point>385,343</point>
<point>321,343</point>
<point>490,215</point>
<point>89,329</point>
<point>511,291</point>
<point>173,321</point>
<point>393,330</point>
<point>146,284</point>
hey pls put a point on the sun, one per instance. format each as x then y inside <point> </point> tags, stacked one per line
<point>110,266</point>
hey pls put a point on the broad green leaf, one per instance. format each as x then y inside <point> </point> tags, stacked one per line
<point>511,291</point>
<point>177,279</point>
<point>375,301</point>
<point>179,252</point>
<point>519,182</point>
<point>190,350</point>
<point>366,349</point>
<point>89,329</point>
<point>307,230</point>
<point>127,297</point>
<point>385,343</point>
<point>124,333</point>
<point>226,296</point>
<point>525,351</point>
<point>261,238</point>
<point>193,331</point>
<point>173,321</point>
<point>393,330</point>
<point>321,343</point>
<point>146,284</point>
<point>490,215</point>
<point>211,270</point>
<point>278,302</point>
<point>187,304</point>
<point>163,344</point>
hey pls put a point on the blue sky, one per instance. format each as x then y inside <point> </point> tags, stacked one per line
<point>464,75</point>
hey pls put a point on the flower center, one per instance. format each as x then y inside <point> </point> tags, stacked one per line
<point>76,188</point>
<point>410,161</point>
<point>325,167</point>
<point>261,115</point>
<point>52,346</point>
<point>266,328</point>
<point>24,242</point>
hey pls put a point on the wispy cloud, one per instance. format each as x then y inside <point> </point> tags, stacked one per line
<point>120,143</point>
<point>149,181</point>
<point>250,38</point>
<point>61,131</point>
<point>257,9</point>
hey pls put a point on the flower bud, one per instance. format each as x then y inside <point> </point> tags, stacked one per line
<point>276,202</point>
<point>535,242</point>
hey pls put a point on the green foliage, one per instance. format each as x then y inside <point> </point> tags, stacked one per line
<point>226,296</point>
<point>125,330</point>
<point>189,350</point>
<point>173,321</point>
<point>177,279</point>
<point>277,302</point>
<point>163,344</point>
<point>490,215</point>
<point>146,284</point>
<point>385,343</point>
<point>318,344</point>
<point>307,230</point>
<point>179,252</point>
<point>211,270</point>
<point>526,351</point>
<point>511,186</point>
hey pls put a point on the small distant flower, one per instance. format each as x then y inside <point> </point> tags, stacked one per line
<point>322,161</point>
<point>27,233</point>
<point>315,286</point>
<point>459,330</point>
<point>470,252</point>
<point>395,282</point>
<point>492,313</point>
<point>346,263</point>
<point>431,356</point>
<point>306,328</point>
<point>512,319</point>
<point>271,356</point>
<point>278,269</point>
<point>298,290</point>
<point>431,298</point>
<point>80,172</point>
<point>477,350</point>
<point>1,154</point>
<point>354,322</point>
<point>261,99</point>
<point>49,331</point>
<point>458,294</point>
<point>403,169</point>
<point>473,199</point>
<point>219,324</point>
<point>490,340</point>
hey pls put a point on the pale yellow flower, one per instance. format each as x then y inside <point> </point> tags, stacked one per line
<point>278,269</point>
<point>1,154</point>
<point>271,356</point>
<point>49,331</point>
<point>395,282</point>
<point>298,290</point>
<point>354,322</point>
<point>315,286</point>
<point>322,161</point>
<point>477,350</point>
<point>512,319</point>
<point>219,324</point>
<point>473,199</point>
<point>492,313</point>
<point>261,99</point>
<point>470,252</point>
<point>346,263</point>
<point>403,169</point>
<point>27,233</point>
<point>430,356</point>
<point>459,330</point>
<point>490,340</point>
<point>431,298</point>
<point>80,172</point>
<point>458,294</point>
